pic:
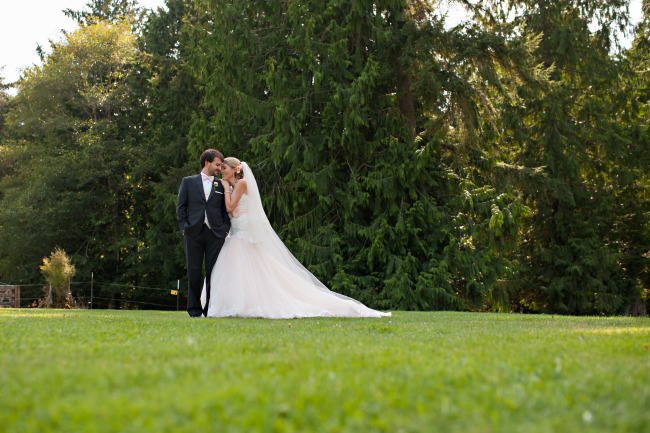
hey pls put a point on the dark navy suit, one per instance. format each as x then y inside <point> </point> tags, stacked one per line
<point>202,243</point>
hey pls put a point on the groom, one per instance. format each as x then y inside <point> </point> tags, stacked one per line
<point>204,223</point>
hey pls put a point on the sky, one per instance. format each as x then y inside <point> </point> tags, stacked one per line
<point>24,24</point>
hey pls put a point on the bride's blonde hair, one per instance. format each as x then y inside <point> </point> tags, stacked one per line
<point>235,164</point>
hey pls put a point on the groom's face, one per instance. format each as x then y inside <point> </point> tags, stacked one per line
<point>214,167</point>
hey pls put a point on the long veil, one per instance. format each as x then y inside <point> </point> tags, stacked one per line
<point>262,234</point>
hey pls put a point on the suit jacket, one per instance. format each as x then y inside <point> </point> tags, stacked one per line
<point>191,206</point>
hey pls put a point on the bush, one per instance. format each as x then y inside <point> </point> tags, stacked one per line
<point>57,271</point>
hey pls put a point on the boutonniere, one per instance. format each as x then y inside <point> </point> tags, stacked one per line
<point>216,184</point>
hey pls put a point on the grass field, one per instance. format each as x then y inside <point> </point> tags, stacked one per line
<point>144,371</point>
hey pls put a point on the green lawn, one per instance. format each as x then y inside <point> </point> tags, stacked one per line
<point>143,371</point>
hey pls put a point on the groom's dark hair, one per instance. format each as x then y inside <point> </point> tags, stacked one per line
<point>209,156</point>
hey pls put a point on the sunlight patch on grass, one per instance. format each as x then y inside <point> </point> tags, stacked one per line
<point>617,331</point>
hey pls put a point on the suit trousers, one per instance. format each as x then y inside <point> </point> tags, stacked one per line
<point>202,249</point>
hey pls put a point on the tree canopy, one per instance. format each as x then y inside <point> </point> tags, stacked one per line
<point>499,164</point>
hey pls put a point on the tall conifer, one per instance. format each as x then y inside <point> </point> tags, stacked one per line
<point>359,118</point>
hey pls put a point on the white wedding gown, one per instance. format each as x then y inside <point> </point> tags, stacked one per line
<point>257,276</point>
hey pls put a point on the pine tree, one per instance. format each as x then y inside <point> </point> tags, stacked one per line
<point>570,134</point>
<point>630,174</point>
<point>163,98</point>
<point>113,11</point>
<point>359,119</point>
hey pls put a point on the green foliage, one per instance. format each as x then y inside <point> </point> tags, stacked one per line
<point>163,98</point>
<point>630,182</point>
<point>134,371</point>
<point>580,140</point>
<point>497,165</point>
<point>310,94</point>
<point>4,105</point>
<point>68,156</point>
<point>104,10</point>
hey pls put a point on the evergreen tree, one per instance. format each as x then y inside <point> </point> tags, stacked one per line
<point>499,164</point>
<point>4,105</point>
<point>571,135</point>
<point>113,11</point>
<point>5,157</point>
<point>347,112</point>
<point>163,98</point>
<point>629,180</point>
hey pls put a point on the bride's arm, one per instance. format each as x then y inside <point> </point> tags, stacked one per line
<point>233,199</point>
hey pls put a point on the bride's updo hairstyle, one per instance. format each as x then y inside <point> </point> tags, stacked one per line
<point>235,164</point>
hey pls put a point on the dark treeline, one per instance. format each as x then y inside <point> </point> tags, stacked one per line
<point>501,164</point>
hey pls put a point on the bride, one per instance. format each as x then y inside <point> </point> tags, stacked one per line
<point>256,275</point>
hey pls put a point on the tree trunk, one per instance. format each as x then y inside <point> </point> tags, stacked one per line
<point>48,299</point>
<point>404,93</point>
<point>636,308</point>
<point>406,102</point>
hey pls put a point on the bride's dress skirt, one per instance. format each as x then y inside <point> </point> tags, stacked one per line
<point>249,282</point>
<point>257,276</point>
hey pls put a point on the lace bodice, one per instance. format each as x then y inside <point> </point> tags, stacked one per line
<point>239,219</point>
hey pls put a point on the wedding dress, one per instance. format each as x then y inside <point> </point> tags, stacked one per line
<point>257,276</point>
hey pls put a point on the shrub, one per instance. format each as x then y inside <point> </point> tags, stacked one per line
<point>57,271</point>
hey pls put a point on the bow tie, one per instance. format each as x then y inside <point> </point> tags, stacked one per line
<point>206,177</point>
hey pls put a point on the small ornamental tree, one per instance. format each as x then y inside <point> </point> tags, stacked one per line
<point>57,271</point>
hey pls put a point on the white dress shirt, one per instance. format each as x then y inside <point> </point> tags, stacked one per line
<point>207,187</point>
